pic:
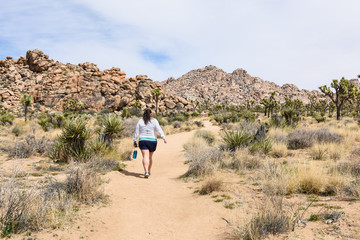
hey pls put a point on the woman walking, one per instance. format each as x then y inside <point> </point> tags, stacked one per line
<point>146,131</point>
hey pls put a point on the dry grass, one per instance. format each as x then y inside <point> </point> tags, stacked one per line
<point>319,151</point>
<point>84,184</point>
<point>279,150</point>
<point>272,217</point>
<point>26,205</point>
<point>211,185</point>
<point>241,159</point>
<point>208,136</point>
<point>202,158</point>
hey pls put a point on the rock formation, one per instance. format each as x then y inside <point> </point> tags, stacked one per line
<point>212,83</point>
<point>52,83</point>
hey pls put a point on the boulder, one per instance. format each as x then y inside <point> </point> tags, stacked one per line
<point>170,104</point>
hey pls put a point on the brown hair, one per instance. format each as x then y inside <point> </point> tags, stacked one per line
<point>146,115</point>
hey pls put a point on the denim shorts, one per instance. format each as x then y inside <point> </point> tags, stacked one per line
<point>148,145</point>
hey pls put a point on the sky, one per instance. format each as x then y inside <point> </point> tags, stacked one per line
<point>304,42</point>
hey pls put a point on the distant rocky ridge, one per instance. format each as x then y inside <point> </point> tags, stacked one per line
<point>51,83</point>
<point>212,83</point>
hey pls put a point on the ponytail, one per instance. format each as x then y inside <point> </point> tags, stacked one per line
<point>146,115</point>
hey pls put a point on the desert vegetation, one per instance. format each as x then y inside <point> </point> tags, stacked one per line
<point>297,155</point>
<point>67,155</point>
<point>292,163</point>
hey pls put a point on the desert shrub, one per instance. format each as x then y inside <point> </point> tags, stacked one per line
<point>73,106</point>
<point>6,118</point>
<point>304,138</point>
<point>276,180</point>
<point>17,131</point>
<point>48,121</point>
<point>71,144</point>
<point>84,184</point>
<point>129,126</point>
<point>277,122</point>
<point>201,158</point>
<point>242,160</point>
<point>352,189</point>
<point>271,218</point>
<point>125,113</point>
<point>319,118</point>
<point>29,146</point>
<point>249,127</point>
<point>325,136</point>
<point>352,168</point>
<point>15,205</point>
<point>177,124</point>
<point>103,164</point>
<point>264,146</point>
<point>195,114</point>
<point>199,123</point>
<point>207,135</point>
<point>236,139</point>
<point>300,138</point>
<point>177,116</point>
<point>31,206</point>
<point>210,186</point>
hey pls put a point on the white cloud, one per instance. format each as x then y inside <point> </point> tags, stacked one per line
<point>307,42</point>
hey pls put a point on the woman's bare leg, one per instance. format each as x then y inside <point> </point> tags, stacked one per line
<point>150,160</point>
<point>145,160</point>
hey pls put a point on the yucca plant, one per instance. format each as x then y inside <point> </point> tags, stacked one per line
<point>236,139</point>
<point>112,127</point>
<point>72,142</point>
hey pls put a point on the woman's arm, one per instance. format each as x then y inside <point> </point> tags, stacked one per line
<point>160,131</point>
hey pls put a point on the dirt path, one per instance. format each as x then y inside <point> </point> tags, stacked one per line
<point>161,207</point>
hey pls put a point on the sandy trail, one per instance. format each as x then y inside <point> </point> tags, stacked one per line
<point>162,207</point>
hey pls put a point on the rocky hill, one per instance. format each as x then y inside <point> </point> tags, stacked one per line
<point>51,83</point>
<point>212,83</point>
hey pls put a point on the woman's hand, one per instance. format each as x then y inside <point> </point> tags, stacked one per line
<point>165,141</point>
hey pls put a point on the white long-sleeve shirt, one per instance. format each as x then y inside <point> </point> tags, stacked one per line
<point>148,131</point>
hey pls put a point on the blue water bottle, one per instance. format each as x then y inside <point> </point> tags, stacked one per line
<point>134,154</point>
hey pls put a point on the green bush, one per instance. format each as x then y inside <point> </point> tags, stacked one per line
<point>73,106</point>
<point>236,139</point>
<point>320,119</point>
<point>6,118</point>
<point>48,121</point>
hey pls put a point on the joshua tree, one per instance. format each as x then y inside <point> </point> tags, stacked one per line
<point>344,91</point>
<point>26,101</point>
<point>156,93</point>
<point>269,104</point>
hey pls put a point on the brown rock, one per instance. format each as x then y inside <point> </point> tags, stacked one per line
<point>170,104</point>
